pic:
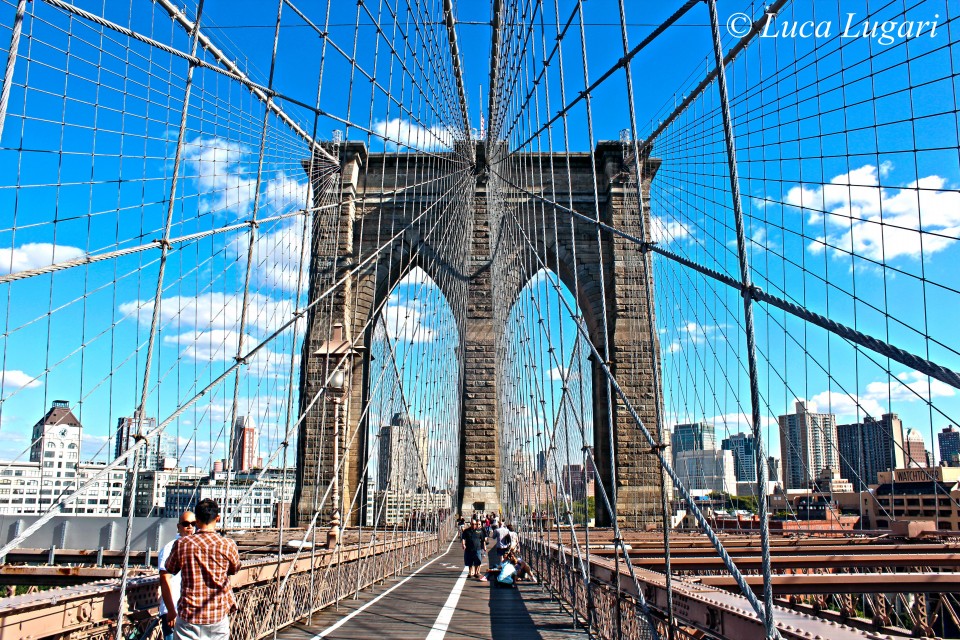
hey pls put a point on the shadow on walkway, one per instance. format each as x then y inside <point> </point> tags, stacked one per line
<point>528,613</point>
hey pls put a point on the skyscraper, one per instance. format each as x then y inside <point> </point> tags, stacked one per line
<point>696,436</point>
<point>808,445</point>
<point>703,472</point>
<point>244,447</point>
<point>773,472</point>
<point>916,449</point>
<point>403,455</point>
<point>949,440</point>
<point>869,447</point>
<point>743,448</point>
<point>158,447</point>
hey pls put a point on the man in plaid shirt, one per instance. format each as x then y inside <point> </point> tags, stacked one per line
<point>207,561</point>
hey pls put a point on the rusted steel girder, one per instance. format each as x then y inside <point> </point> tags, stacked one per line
<point>845,583</point>
<point>741,550</point>
<point>698,605</point>
<point>55,576</point>
<point>786,563</point>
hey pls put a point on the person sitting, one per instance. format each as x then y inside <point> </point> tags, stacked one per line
<point>524,572</point>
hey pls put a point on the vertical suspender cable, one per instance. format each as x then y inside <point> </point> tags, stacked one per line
<point>251,245</point>
<point>646,260</point>
<point>748,320</point>
<point>155,320</point>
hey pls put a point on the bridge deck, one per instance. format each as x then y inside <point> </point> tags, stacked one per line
<point>437,601</point>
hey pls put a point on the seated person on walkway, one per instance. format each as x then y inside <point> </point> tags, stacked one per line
<point>524,572</point>
<point>471,539</point>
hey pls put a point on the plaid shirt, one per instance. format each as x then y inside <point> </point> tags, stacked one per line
<point>207,560</point>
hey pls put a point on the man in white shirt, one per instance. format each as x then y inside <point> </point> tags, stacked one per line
<point>170,583</point>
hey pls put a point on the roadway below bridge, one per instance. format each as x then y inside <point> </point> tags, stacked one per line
<point>436,600</point>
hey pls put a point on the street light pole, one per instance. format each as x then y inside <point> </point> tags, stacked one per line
<point>335,504</point>
<point>339,354</point>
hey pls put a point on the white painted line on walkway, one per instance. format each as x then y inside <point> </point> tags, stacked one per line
<point>347,618</point>
<point>446,614</point>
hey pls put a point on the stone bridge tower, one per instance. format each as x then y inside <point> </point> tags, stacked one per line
<point>402,210</point>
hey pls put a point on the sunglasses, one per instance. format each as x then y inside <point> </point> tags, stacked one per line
<point>191,523</point>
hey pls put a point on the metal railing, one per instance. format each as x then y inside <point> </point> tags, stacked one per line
<point>265,599</point>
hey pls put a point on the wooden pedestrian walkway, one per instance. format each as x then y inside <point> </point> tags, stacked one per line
<point>437,601</point>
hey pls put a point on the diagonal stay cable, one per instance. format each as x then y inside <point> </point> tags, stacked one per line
<point>658,452</point>
<point>923,365</point>
<point>133,449</point>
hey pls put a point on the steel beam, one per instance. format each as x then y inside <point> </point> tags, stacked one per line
<point>786,563</point>
<point>832,583</point>
<point>716,611</point>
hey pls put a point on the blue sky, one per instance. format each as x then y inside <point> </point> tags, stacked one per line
<point>807,112</point>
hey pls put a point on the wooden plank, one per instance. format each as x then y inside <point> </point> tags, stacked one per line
<point>409,610</point>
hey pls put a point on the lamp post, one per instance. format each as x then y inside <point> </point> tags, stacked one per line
<point>338,353</point>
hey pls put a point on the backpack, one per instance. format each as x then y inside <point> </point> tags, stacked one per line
<point>505,542</point>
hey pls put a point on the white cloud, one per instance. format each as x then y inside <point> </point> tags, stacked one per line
<point>283,193</point>
<point>758,242</point>
<point>411,134</point>
<point>276,256</point>
<point>225,175</point>
<point>557,374</point>
<point>33,255</point>
<point>406,323</point>
<point>214,311</point>
<point>844,406</point>
<point>211,345</point>
<point>224,180</point>
<point>13,379</point>
<point>415,300</point>
<point>666,231</point>
<point>220,345</point>
<point>881,223</point>
<point>909,386</point>
<point>691,333</point>
<point>879,396</point>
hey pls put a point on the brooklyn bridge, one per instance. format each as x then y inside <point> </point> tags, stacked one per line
<point>663,290</point>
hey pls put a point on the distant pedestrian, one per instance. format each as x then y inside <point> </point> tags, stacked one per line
<point>207,560</point>
<point>504,539</point>
<point>472,542</point>
<point>170,584</point>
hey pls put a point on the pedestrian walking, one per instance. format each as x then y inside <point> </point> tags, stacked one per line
<point>206,560</point>
<point>472,542</point>
<point>170,583</point>
<point>493,545</point>
<point>504,539</point>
